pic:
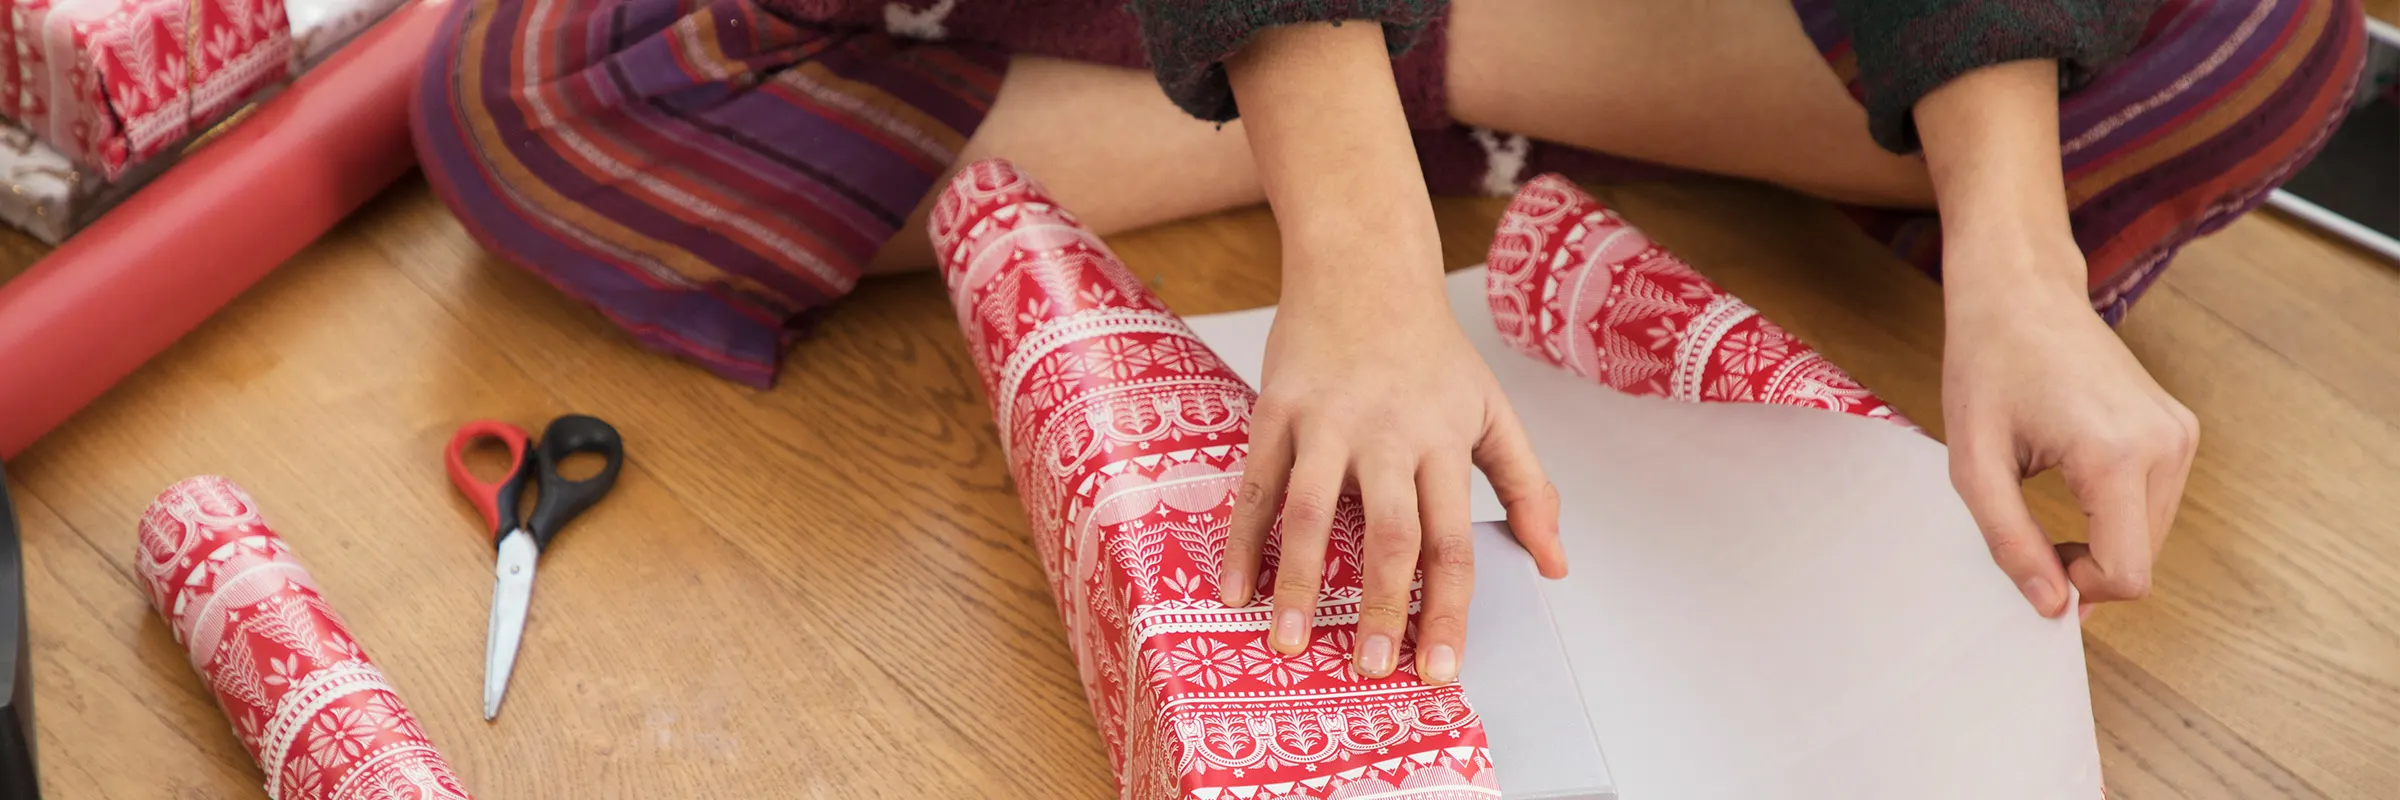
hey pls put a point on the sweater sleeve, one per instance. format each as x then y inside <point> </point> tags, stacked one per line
<point>1907,48</point>
<point>1189,40</point>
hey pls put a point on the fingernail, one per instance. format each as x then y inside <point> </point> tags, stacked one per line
<point>1375,656</point>
<point>1233,590</point>
<point>1291,628</point>
<point>2041,592</point>
<point>1441,664</point>
<point>2084,613</point>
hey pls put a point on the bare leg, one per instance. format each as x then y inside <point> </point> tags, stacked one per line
<point>1726,86</point>
<point>1106,143</point>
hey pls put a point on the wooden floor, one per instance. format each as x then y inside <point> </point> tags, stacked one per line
<point>825,591</point>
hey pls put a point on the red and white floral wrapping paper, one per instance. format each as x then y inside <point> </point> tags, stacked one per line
<point>111,83</point>
<point>1127,439</point>
<point>1573,284</point>
<point>314,712</point>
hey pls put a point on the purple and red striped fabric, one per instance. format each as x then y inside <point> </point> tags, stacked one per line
<point>705,173</point>
<point>2220,103</point>
<point>711,174</point>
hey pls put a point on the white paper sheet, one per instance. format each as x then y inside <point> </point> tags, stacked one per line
<point>1765,603</point>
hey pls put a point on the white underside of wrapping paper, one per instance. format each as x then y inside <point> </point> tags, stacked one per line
<point>48,197</point>
<point>1764,602</point>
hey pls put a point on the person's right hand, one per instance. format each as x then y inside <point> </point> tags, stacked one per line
<point>1380,393</point>
<point>1369,386</point>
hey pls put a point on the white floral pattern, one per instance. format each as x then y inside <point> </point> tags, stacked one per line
<point>309,707</point>
<point>1127,456</point>
<point>1573,284</point>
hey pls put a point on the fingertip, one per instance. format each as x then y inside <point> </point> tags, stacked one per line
<point>2049,599</point>
<point>1232,590</point>
<point>1438,664</point>
<point>1290,632</point>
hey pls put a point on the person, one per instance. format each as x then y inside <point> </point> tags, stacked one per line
<point>712,175</point>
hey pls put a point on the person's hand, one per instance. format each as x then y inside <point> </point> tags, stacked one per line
<point>2034,380</point>
<point>1380,393</point>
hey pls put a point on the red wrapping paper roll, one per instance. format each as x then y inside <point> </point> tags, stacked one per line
<point>143,275</point>
<point>1127,438</point>
<point>1573,284</point>
<point>313,711</point>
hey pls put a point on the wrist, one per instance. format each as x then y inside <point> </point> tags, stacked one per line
<point>2012,277</point>
<point>1380,252</point>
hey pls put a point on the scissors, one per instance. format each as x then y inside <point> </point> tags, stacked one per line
<point>521,542</point>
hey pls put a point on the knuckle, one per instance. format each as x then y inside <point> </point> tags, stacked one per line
<point>2128,586</point>
<point>1307,504</point>
<point>1394,530</point>
<point>2004,548</point>
<point>1270,411</point>
<point>2114,449</point>
<point>2009,548</point>
<point>1294,581</point>
<point>1252,495</point>
<point>1452,555</point>
<point>1435,622</point>
<point>1383,611</point>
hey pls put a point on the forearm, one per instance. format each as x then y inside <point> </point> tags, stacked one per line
<point>1334,155</point>
<point>1991,144</point>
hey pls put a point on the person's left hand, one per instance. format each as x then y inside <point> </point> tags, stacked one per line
<point>2034,380</point>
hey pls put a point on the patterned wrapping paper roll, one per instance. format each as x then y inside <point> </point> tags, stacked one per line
<point>1127,438</point>
<point>1573,284</point>
<point>313,711</point>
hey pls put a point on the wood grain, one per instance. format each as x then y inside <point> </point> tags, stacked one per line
<point>825,590</point>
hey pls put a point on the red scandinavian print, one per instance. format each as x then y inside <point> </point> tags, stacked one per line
<point>1575,285</point>
<point>1127,439</point>
<point>313,711</point>
<point>111,83</point>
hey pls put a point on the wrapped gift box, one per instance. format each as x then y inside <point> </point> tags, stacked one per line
<point>48,196</point>
<point>111,83</point>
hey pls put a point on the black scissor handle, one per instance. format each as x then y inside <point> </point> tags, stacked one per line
<point>562,499</point>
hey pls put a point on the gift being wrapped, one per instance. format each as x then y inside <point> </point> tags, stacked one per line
<point>1128,437</point>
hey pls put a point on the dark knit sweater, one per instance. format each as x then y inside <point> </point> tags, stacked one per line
<point>1906,48</point>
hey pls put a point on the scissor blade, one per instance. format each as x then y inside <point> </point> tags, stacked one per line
<point>512,593</point>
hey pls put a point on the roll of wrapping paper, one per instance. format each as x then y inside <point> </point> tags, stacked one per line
<point>306,702</point>
<point>246,201</point>
<point>1573,284</point>
<point>1127,438</point>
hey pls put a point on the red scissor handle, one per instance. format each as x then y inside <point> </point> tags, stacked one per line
<point>488,497</point>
